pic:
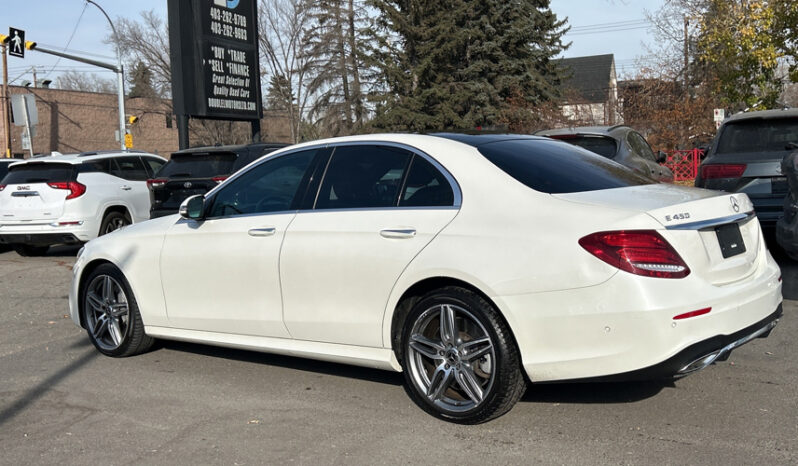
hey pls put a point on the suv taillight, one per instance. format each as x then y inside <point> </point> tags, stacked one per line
<point>75,189</point>
<point>641,252</point>
<point>156,183</point>
<point>219,179</point>
<point>2,187</point>
<point>709,172</point>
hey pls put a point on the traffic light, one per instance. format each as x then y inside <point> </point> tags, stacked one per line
<point>132,119</point>
<point>4,38</point>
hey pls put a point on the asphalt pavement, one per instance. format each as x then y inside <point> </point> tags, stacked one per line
<point>62,402</point>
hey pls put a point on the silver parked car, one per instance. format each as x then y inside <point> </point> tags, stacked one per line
<point>619,143</point>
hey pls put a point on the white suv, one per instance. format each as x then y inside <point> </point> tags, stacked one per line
<point>70,199</point>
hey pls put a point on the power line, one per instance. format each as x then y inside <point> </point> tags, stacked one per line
<point>71,36</point>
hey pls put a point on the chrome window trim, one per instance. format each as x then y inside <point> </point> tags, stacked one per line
<point>456,192</point>
<point>711,223</point>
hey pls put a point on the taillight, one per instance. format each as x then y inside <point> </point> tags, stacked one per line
<point>219,179</point>
<point>75,189</point>
<point>722,171</point>
<point>156,183</point>
<point>641,252</point>
<point>2,187</point>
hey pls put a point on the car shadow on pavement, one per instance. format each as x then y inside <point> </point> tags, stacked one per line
<point>290,362</point>
<point>587,393</point>
<point>64,251</point>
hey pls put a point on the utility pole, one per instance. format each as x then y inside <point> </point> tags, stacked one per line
<point>35,82</point>
<point>120,78</point>
<point>686,59</point>
<point>6,102</point>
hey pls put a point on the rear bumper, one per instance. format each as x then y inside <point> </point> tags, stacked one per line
<point>39,239</point>
<point>698,356</point>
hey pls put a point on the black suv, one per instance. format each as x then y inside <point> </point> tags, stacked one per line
<point>746,156</point>
<point>197,171</point>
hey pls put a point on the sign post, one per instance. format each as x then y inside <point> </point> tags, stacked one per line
<point>719,116</point>
<point>215,65</point>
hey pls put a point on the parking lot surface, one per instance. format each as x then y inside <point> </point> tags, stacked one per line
<point>62,402</point>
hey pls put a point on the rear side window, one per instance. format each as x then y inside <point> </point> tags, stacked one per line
<point>41,172</point>
<point>425,186</point>
<point>198,165</point>
<point>363,176</point>
<point>758,135</point>
<point>3,169</point>
<point>130,168</point>
<point>152,164</point>
<point>602,146</point>
<point>555,167</point>
<point>640,146</point>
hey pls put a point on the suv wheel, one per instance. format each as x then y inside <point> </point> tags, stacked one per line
<point>460,362</point>
<point>113,221</point>
<point>26,250</point>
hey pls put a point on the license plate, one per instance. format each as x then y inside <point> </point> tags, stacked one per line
<point>730,240</point>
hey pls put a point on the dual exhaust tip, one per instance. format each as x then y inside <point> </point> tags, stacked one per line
<point>723,353</point>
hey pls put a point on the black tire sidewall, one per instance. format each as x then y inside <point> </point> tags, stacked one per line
<point>109,218</point>
<point>505,362</point>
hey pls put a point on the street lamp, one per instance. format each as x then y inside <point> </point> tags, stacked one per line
<point>120,75</point>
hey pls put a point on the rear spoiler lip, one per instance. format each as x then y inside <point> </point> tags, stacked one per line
<point>714,222</point>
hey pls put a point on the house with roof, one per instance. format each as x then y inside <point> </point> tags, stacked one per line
<point>590,90</point>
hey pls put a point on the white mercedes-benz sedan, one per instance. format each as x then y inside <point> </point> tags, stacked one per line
<point>472,263</point>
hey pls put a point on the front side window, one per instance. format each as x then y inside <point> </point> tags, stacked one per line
<point>640,146</point>
<point>268,187</point>
<point>363,176</point>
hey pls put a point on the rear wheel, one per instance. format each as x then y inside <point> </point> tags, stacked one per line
<point>460,361</point>
<point>26,250</point>
<point>111,314</point>
<point>113,221</point>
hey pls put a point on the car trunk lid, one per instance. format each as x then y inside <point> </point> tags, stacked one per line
<point>28,195</point>
<point>716,234</point>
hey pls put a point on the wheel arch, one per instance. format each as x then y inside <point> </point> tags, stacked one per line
<point>87,270</point>
<point>419,289</point>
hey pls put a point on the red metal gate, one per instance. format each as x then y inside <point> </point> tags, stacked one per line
<point>684,163</point>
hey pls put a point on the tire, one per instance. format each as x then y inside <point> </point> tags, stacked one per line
<point>113,221</point>
<point>470,377</point>
<point>111,314</point>
<point>26,250</point>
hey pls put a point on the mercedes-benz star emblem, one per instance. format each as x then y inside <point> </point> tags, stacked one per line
<point>188,184</point>
<point>735,204</point>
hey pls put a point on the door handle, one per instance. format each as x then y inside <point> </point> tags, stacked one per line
<point>268,231</point>
<point>399,233</point>
<point>126,188</point>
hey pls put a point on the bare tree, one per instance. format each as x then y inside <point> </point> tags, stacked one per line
<point>284,48</point>
<point>89,82</point>
<point>147,42</point>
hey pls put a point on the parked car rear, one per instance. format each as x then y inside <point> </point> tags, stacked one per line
<point>746,156</point>
<point>619,143</point>
<point>197,171</point>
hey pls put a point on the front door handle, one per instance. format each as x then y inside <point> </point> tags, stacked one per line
<point>268,231</point>
<point>398,233</point>
<point>126,188</point>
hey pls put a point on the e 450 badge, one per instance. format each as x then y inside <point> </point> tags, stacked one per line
<point>679,216</point>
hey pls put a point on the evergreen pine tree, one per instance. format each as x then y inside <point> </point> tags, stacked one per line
<point>141,82</point>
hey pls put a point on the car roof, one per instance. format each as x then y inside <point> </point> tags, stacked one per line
<point>764,114</point>
<point>478,139</point>
<point>236,148</point>
<point>76,159</point>
<point>590,130</point>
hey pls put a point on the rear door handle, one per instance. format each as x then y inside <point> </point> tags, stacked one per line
<point>268,231</point>
<point>398,233</point>
<point>126,188</point>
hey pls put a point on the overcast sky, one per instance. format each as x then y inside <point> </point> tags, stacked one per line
<point>599,27</point>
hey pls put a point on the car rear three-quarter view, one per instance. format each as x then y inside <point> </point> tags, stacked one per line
<point>472,263</point>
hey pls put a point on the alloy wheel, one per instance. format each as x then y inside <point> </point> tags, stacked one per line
<point>451,358</point>
<point>107,312</point>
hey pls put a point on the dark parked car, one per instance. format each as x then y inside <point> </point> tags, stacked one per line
<point>197,171</point>
<point>619,143</point>
<point>746,157</point>
<point>787,226</point>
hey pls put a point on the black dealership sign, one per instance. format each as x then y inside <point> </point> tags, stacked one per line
<point>214,54</point>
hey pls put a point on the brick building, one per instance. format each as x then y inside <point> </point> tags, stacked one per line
<point>76,121</point>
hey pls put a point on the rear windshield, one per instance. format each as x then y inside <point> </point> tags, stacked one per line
<point>596,144</point>
<point>197,166</point>
<point>758,135</point>
<point>3,169</point>
<point>39,173</point>
<point>554,167</point>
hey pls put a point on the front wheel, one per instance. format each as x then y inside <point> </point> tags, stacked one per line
<point>111,315</point>
<point>459,358</point>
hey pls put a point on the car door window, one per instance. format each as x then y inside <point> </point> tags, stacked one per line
<point>268,187</point>
<point>425,186</point>
<point>129,168</point>
<point>363,176</point>
<point>640,146</point>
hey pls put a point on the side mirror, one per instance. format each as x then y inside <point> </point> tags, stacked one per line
<point>193,208</point>
<point>661,157</point>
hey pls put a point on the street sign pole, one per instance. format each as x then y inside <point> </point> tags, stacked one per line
<point>6,105</point>
<point>27,126</point>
